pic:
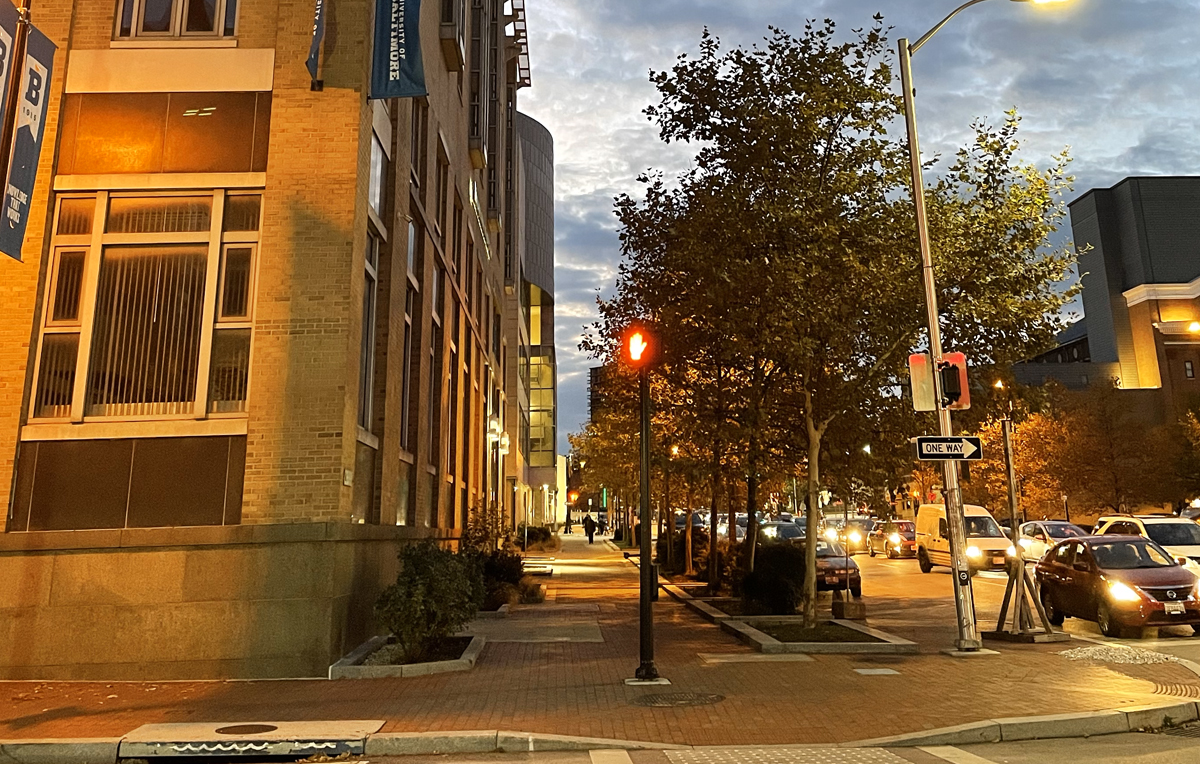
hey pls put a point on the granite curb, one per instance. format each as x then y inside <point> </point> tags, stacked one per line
<point>1078,725</point>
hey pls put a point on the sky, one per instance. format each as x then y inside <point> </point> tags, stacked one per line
<point>1115,80</point>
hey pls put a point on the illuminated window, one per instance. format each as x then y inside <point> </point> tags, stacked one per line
<point>378,176</point>
<point>176,18</point>
<point>126,332</point>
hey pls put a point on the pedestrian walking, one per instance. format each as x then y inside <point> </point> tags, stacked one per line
<point>589,527</point>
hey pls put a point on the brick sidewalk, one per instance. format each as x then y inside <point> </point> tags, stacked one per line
<point>577,688</point>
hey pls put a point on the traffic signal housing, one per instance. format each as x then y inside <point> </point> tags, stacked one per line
<point>639,346</point>
<point>956,388</point>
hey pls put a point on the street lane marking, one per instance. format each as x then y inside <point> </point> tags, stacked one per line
<point>610,757</point>
<point>876,671</point>
<point>954,755</point>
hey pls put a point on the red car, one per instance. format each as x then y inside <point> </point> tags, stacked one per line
<point>1120,582</point>
<point>895,538</point>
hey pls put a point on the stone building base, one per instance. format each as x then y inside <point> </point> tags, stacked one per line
<point>191,603</point>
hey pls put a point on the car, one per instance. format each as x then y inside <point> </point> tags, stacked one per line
<point>836,570</point>
<point>784,531</point>
<point>1180,537</point>
<point>1122,582</point>
<point>681,520</point>
<point>894,538</point>
<point>1038,536</point>
<point>987,547</point>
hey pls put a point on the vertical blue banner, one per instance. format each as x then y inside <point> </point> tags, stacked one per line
<point>27,141</point>
<point>318,34</point>
<point>8,34</point>
<point>396,68</point>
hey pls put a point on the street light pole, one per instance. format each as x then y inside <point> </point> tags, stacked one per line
<point>647,671</point>
<point>964,602</point>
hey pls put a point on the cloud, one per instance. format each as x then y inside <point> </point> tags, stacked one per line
<point>1113,79</point>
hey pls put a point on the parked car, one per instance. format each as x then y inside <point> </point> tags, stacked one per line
<point>987,547</point>
<point>1120,582</point>
<point>681,520</point>
<point>894,538</point>
<point>1180,537</point>
<point>835,569</point>
<point>1038,536</point>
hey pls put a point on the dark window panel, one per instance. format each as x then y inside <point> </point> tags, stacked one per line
<point>80,484</point>
<point>201,16</point>
<point>262,132</point>
<point>234,480</point>
<point>70,126</point>
<point>139,119</point>
<point>178,482</point>
<point>210,132</point>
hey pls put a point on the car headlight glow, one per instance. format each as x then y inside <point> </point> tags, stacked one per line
<point>856,537</point>
<point>1025,543</point>
<point>1122,592</point>
<point>894,538</point>
<point>1012,551</point>
<point>974,551</point>
<point>831,534</point>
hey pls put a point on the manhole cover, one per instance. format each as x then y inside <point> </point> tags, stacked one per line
<point>675,699</point>
<point>246,729</point>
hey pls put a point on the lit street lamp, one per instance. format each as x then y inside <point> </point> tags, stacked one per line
<point>964,604</point>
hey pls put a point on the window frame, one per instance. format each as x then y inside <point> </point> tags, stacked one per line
<point>178,23</point>
<point>94,244</point>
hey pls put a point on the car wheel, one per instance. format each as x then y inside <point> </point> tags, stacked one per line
<point>1054,615</point>
<point>923,561</point>
<point>1195,631</point>
<point>1104,619</point>
<point>856,591</point>
<point>870,549</point>
<point>892,554</point>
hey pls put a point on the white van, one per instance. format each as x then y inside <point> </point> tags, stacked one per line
<point>987,546</point>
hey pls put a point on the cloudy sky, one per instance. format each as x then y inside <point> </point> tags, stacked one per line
<point>1116,80</point>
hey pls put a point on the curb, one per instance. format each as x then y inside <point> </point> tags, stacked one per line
<point>1107,722</point>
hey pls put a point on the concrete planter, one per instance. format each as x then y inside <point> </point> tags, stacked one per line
<point>500,612</point>
<point>888,644</point>
<point>351,667</point>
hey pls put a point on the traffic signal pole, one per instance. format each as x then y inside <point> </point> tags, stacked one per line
<point>964,603</point>
<point>647,671</point>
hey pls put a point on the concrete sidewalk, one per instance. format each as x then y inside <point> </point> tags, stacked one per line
<point>570,684</point>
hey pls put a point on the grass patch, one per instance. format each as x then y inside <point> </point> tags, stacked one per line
<point>448,649</point>
<point>823,632</point>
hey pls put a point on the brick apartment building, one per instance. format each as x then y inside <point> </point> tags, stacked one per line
<point>258,340</point>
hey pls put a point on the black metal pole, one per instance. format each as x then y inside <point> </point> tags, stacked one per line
<point>647,670</point>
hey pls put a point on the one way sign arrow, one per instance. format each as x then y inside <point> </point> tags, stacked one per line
<point>958,448</point>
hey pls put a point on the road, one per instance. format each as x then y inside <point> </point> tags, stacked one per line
<point>898,593</point>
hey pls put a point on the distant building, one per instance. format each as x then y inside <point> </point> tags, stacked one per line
<point>1141,292</point>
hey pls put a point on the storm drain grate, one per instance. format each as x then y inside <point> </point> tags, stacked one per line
<point>678,699</point>
<point>1177,690</point>
<point>1182,731</point>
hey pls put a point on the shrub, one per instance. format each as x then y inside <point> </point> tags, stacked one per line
<point>777,584</point>
<point>436,594</point>
<point>532,591</point>
<point>501,593</point>
<point>503,566</point>
<point>485,529</point>
<point>699,550</point>
<point>532,534</point>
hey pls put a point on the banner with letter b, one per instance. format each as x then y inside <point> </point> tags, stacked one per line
<point>396,67</point>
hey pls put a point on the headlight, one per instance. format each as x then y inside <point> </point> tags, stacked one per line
<point>1012,551</point>
<point>894,538</point>
<point>1122,593</point>
<point>856,537</point>
<point>831,534</point>
<point>973,551</point>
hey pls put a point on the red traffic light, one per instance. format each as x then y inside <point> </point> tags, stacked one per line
<point>638,346</point>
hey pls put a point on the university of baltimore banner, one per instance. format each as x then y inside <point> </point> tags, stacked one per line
<point>27,141</point>
<point>318,34</point>
<point>396,69</point>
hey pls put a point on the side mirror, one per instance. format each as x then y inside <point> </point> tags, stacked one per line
<point>1082,567</point>
<point>1181,560</point>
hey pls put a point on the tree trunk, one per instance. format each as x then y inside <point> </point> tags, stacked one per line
<point>751,507</point>
<point>814,502</point>
<point>714,577</point>
<point>687,543</point>
<point>669,518</point>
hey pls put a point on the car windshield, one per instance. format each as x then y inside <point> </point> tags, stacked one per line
<point>826,548</point>
<point>904,527</point>
<point>1065,531</point>
<point>1183,533</point>
<point>1126,555</point>
<point>783,531</point>
<point>979,526</point>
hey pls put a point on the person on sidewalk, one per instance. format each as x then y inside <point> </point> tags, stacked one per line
<point>589,527</point>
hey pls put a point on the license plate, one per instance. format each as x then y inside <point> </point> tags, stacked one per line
<point>997,560</point>
<point>1175,608</point>
<point>834,580</point>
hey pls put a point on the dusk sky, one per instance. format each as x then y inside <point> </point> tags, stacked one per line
<point>1116,80</point>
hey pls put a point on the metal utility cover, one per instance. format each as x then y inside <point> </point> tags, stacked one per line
<point>250,738</point>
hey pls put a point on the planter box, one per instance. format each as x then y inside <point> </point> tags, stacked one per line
<point>500,612</point>
<point>351,666</point>
<point>744,630</point>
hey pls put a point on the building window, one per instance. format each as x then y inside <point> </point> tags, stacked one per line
<point>378,176</point>
<point>442,190</point>
<point>406,373</point>
<point>1189,370</point>
<point>418,141</point>
<point>366,363</point>
<point>135,316</point>
<point>176,18</point>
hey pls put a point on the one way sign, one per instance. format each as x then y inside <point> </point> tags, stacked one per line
<point>958,448</point>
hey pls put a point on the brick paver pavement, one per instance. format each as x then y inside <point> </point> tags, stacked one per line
<point>577,688</point>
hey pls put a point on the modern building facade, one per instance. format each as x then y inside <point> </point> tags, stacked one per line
<point>257,341</point>
<point>1141,293</point>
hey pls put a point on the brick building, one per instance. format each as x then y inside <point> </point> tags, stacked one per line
<point>257,340</point>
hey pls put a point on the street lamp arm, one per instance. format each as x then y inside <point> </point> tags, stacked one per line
<point>925,38</point>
